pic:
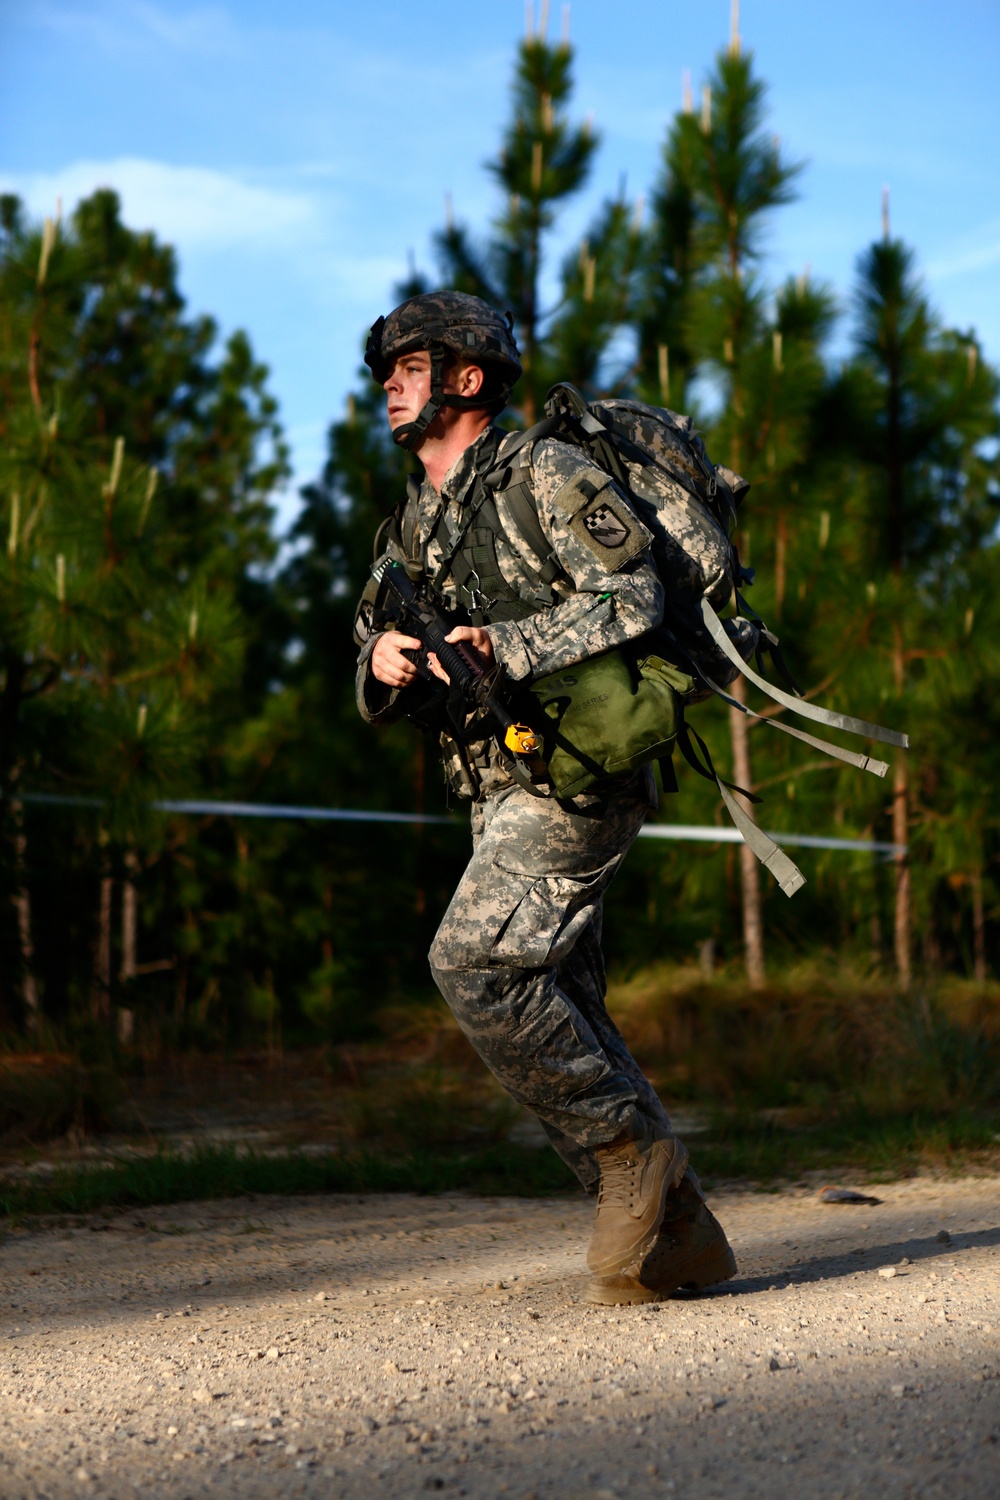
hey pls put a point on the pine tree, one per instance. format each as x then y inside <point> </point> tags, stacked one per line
<point>133,509</point>
<point>917,405</point>
<point>723,178</point>
<point>543,160</point>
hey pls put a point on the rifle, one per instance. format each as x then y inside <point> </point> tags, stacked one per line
<point>477,687</point>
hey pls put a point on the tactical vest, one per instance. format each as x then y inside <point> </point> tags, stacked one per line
<point>469,559</point>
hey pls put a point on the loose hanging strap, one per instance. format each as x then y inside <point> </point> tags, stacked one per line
<point>849,757</point>
<point>774,859</point>
<point>826,716</point>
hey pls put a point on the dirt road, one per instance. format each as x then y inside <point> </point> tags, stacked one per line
<point>398,1345</point>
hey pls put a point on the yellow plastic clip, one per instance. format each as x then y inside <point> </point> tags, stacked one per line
<point>520,740</point>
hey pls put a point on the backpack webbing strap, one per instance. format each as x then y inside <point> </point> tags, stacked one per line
<point>408,524</point>
<point>479,493</point>
<point>827,747</point>
<point>826,716</point>
<point>520,502</point>
<point>774,859</point>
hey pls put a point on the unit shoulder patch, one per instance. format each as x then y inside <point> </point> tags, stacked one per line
<point>602,520</point>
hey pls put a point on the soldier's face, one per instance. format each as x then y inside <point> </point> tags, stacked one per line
<point>408,387</point>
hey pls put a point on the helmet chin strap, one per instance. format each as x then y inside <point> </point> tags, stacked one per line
<point>409,435</point>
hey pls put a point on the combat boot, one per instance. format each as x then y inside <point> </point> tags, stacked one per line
<point>690,1252</point>
<point>636,1176</point>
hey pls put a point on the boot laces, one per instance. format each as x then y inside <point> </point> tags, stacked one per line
<point>620,1178</point>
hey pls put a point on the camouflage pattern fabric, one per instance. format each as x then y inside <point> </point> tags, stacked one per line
<point>518,955</point>
<point>518,959</point>
<point>613,594</point>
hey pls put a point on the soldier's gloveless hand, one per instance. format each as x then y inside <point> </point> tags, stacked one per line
<point>388,662</point>
<point>470,635</point>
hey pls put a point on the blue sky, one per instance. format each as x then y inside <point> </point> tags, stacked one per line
<point>294,154</point>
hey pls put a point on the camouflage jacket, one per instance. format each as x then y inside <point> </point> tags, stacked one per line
<point>607,591</point>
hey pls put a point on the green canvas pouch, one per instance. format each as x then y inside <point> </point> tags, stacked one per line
<point>607,716</point>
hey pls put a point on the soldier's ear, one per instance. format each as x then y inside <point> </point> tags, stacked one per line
<point>471,380</point>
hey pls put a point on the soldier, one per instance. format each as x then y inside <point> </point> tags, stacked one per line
<point>518,956</point>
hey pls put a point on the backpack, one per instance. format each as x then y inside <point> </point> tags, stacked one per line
<point>690,506</point>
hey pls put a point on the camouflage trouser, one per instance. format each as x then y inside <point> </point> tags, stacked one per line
<point>518,959</point>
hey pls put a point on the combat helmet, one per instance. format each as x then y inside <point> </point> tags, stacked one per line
<point>446,323</point>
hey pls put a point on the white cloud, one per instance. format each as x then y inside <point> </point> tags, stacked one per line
<point>975,253</point>
<point>195,207</point>
<point>129,25</point>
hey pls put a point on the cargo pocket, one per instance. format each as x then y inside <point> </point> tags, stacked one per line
<point>550,915</point>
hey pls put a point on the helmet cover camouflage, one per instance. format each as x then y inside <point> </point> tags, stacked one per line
<point>445,323</point>
<point>463,324</point>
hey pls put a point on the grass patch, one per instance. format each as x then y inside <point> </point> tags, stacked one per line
<point>876,1149</point>
<point>223,1172</point>
<point>736,1150</point>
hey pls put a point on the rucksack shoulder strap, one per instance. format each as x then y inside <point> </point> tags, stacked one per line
<point>408,518</point>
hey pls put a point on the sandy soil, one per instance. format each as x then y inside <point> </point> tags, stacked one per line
<point>395,1345</point>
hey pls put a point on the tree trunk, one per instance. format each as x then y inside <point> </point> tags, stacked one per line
<point>780,552</point>
<point>22,907</point>
<point>902,923</point>
<point>130,913</point>
<point>753,919</point>
<point>978,928</point>
<point>102,967</point>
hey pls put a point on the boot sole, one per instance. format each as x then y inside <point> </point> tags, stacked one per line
<point>716,1263</point>
<point>616,1296</point>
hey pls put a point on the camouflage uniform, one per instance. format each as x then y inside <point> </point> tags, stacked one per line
<point>517,956</point>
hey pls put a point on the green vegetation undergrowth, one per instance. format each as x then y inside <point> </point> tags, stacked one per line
<point>224,1172</point>
<point>736,1149</point>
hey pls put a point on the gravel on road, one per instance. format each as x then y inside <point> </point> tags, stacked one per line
<point>395,1345</point>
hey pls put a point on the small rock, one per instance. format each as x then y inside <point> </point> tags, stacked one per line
<point>202,1395</point>
<point>899,1389</point>
<point>82,1475</point>
<point>256,1354</point>
<point>322,1297</point>
<point>171,1431</point>
<point>943,1237</point>
<point>773,1364</point>
<point>846,1195</point>
<point>390,1367</point>
<point>273,1353</point>
<point>887,1272</point>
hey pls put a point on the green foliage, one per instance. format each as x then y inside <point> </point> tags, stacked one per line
<point>134,500</point>
<point>222,1172</point>
<point>156,643</point>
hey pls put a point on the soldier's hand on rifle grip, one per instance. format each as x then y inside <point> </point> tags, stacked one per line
<point>476,642</point>
<point>389,664</point>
